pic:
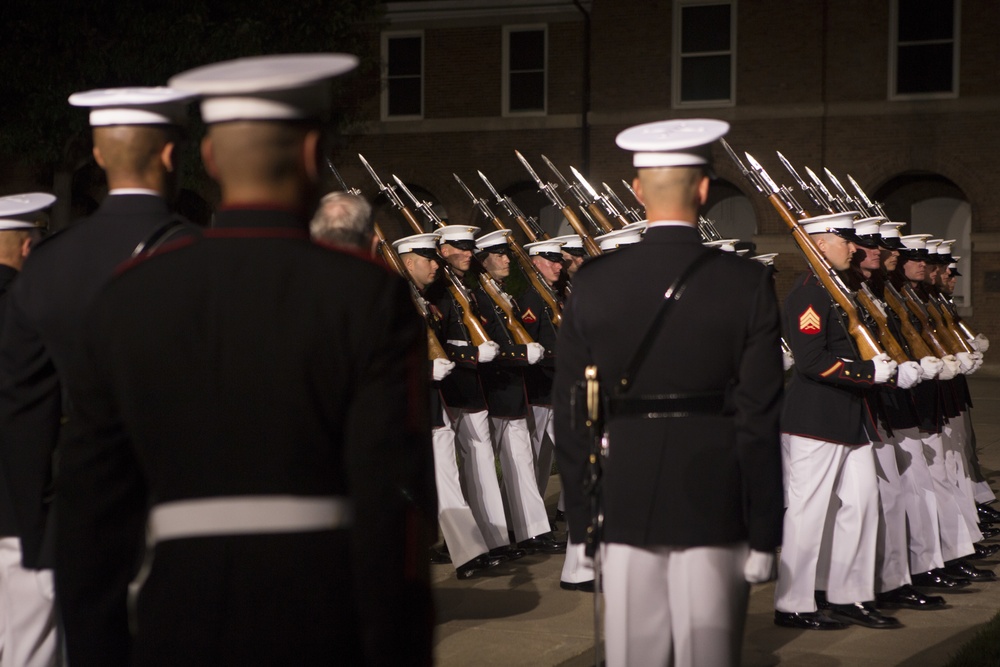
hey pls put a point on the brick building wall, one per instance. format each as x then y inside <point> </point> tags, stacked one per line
<point>811,81</point>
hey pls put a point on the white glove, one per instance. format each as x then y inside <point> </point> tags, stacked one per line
<point>983,342</point>
<point>535,352</point>
<point>908,374</point>
<point>965,362</point>
<point>978,358</point>
<point>885,368</point>
<point>759,567</point>
<point>787,360</point>
<point>930,367</point>
<point>440,368</point>
<point>488,351</point>
<point>951,367</point>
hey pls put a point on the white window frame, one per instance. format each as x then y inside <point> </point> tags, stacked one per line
<point>676,69</point>
<point>386,36</point>
<point>505,78</point>
<point>894,55</point>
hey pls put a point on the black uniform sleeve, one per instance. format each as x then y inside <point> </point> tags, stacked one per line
<point>391,479</point>
<point>572,443</point>
<point>30,412</point>
<point>536,316</point>
<point>757,399</point>
<point>809,317</point>
<point>101,503</point>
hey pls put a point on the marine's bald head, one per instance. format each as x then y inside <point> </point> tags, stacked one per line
<point>135,155</point>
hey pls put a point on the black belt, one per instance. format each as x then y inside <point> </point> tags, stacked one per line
<point>669,405</point>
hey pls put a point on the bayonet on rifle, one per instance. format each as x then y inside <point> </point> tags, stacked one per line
<point>343,185</point>
<point>549,191</point>
<point>804,186</point>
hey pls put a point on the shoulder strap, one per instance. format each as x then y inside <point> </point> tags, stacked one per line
<point>671,296</point>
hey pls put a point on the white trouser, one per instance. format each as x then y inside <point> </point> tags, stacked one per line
<point>528,517</point>
<point>953,435</point>
<point>543,443</point>
<point>683,607</point>
<point>577,568</point>
<point>921,501</point>
<point>956,539</point>
<point>830,526</point>
<point>458,525</point>
<point>28,636</point>
<point>892,567</point>
<point>482,488</point>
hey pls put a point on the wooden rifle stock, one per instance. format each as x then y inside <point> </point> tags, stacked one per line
<point>517,331</point>
<point>927,331</point>
<point>916,343</point>
<point>868,347</point>
<point>945,326</point>
<point>866,299</point>
<point>601,218</point>
<point>534,276</point>
<point>588,241</point>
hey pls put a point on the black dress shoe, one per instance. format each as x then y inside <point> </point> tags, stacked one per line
<point>864,614</point>
<point>961,569</point>
<point>545,543</point>
<point>989,532</point>
<point>907,597</point>
<point>440,556</point>
<point>812,620</point>
<point>984,550</point>
<point>508,552</point>
<point>987,514</point>
<point>584,586</point>
<point>938,579</point>
<point>476,565</point>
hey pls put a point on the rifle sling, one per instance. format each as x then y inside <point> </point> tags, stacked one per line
<point>670,297</point>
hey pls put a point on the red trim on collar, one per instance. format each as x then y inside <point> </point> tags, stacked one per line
<point>256,232</point>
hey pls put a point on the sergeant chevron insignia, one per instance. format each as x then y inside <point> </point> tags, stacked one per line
<point>809,322</point>
<point>528,317</point>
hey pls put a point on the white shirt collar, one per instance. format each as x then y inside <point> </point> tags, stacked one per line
<point>671,223</point>
<point>133,191</point>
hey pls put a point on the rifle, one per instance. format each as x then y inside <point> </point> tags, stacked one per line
<point>549,191</point>
<point>632,213</point>
<point>528,225</point>
<point>343,185</point>
<point>790,211</point>
<point>597,201</point>
<point>486,281</point>
<point>391,257</point>
<point>599,223</point>
<point>954,334</point>
<point>537,281</point>
<point>918,344</point>
<point>461,295</point>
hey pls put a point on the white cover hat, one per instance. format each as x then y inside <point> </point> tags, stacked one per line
<point>767,259</point>
<point>462,236</point>
<point>21,211</point>
<point>726,245</point>
<point>672,143</point>
<point>493,239</point>
<point>134,106</point>
<point>571,243</point>
<point>841,224</point>
<point>273,87</point>
<point>915,241</point>
<point>417,242</point>
<point>618,238</point>
<point>549,246</point>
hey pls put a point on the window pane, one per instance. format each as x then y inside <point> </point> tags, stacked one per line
<point>404,97</point>
<point>705,28</point>
<point>926,19</point>
<point>404,56</point>
<point>527,50</point>
<point>925,68</point>
<point>527,91</point>
<point>705,78</point>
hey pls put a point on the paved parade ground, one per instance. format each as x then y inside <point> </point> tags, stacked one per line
<point>517,614</point>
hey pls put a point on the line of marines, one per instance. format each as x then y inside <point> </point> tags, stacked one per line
<point>884,496</point>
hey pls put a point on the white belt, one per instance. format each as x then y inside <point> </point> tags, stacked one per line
<point>248,515</point>
<point>452,341</point>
